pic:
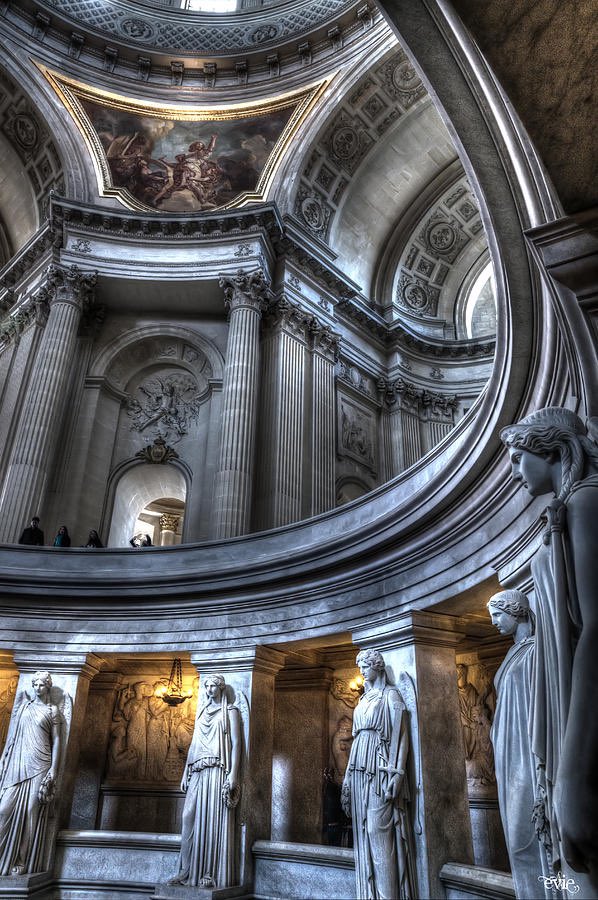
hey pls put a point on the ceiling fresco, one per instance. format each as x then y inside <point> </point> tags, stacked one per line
<point>182,160</point>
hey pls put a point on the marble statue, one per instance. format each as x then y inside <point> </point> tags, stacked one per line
<point>475,724</point>
<point>514,762</point>
<point>553,452</point>
<point>375,791</point>
<point>211,782</point>
<point>7,697</point>
<point>30,768</point>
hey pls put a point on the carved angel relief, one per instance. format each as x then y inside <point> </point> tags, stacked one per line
<point>166,404</point>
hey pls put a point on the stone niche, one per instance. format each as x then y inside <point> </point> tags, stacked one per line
<point>313,718</point>
<point>134,748</point>
<point>475,672</point>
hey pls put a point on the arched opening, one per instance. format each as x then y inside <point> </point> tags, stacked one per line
<point>145,495</point>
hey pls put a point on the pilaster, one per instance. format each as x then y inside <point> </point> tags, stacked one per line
<point>419,651</point>
<point>324,354</point>
<point>63,297</point>
<point>282,415</point>
<point>244,295</point>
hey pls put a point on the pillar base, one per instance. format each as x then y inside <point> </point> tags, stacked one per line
<point>18,887</point>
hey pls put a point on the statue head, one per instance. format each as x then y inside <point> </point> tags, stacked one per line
<point>370,661</point>
<point>461,673</point>
<point>507,609</point>
<point>41,682</point>
<point>214,686</point>
<point>548,438</point>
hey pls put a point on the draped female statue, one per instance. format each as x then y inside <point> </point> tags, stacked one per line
<point>514,761</point>
<point>375,790</point>
<point>212,787</point>
<point>553,452</point>
<point>29,771</point>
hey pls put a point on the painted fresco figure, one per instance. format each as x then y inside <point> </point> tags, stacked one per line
<point>211,782</point>
<point>552,452</point>
<point>29,772</point>
<point>375,790</point>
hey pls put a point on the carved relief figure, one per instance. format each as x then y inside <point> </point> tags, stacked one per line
<point>475,722</point>
<point>149,739</point>
<point>514,761</point>
<point>212,784</point>
<point>7,697</point>
<point>341,745</point>
<point>375,791</point>
<point>168,401</point>
<point>552,452</point>
<point>30,768</point>
<point>158,736</point>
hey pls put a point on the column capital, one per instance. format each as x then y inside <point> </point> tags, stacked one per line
<point>324,340</point>
<point>239,659</point>
<point>283,314</point>
<point>169,522</point>
<point>85,664</point>
<point>245,289</point>
<point>70,285</point>
<point>409,628</point>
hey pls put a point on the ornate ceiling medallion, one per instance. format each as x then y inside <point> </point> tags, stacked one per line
<point>184,159</point>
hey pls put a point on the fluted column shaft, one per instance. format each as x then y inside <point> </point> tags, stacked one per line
<point>234,480</point>
<point>282,416</point>
<point>324,354</point>
<point>33,450</point>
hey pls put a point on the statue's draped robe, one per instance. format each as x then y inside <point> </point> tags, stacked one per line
<point>25,763</point>
<point>207,841</point>
<point>383,859</point>
<point>558,627</point>
<point>516,768</point>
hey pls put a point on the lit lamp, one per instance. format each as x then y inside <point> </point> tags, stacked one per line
<point>172,693</point>
<point>356,684</point>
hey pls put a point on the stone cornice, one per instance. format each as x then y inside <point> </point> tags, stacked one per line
<point>202,55</point>
<point>400,390</point>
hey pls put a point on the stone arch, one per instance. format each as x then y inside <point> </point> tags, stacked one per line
<point>134,486</point>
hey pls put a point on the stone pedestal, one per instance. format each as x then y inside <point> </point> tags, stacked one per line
<point>422,645</point>
<point>26,480</point>
<point>244,294</point>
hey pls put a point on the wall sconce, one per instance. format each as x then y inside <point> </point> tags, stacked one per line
<point>356,684</point>
<point>172,693</point>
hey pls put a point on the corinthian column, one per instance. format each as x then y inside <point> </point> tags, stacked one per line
<point>244,295</point>
<point>64,296</point>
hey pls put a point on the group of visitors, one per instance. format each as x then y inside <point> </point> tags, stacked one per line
<point>33,536</point>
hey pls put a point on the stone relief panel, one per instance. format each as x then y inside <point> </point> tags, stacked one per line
<point>436,243</point>
<point>8,689</point>
<point>378,100</point>
<point>356,433</point>
<point>166,404</point>
<point>149,739</point>
<point>477,704</point>
<point>30,138</point>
